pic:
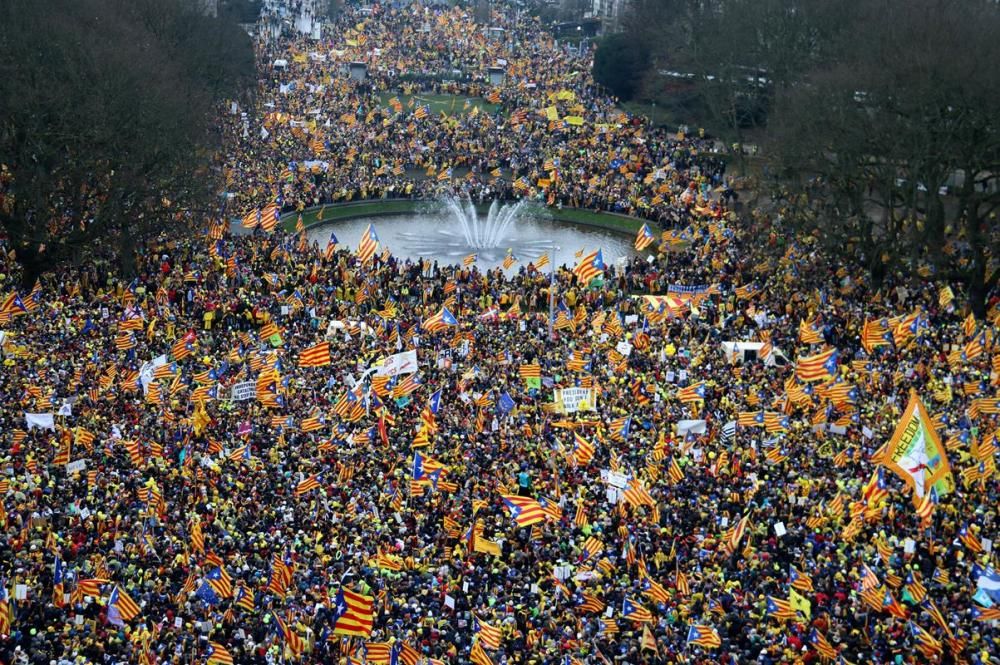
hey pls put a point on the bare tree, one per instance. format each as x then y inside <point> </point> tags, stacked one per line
<point>901,121</point>
<point>105,121</point>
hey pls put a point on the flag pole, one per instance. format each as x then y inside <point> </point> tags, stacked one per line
<point>552,294</point>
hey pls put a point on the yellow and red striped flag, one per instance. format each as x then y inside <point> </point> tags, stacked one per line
<point>354,614</point>
<point>315,356</point>
<point>819,367</point>
<point>368,245</point>
<point>310,483</point>
<point>218,655</point>
<point>524,510</point>
<point>478,655</point>
<point>589,267</point>
<point>127,608</point>
<point>488,635</point>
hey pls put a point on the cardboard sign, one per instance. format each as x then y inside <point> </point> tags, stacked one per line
<point>572,400</point>
<point>243,390</point>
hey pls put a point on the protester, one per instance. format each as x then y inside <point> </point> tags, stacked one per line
<point>190,474</point>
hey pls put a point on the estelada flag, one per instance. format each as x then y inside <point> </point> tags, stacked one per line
<point>915,453</point>
<point>353,614</point>
<point>524,510</point>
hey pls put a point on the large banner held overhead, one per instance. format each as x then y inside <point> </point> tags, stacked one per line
<point>916,455</point>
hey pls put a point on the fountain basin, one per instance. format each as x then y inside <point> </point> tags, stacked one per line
<point>438,236</point>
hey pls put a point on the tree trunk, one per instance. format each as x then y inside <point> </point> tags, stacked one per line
<point>126,255</point>
<point>33,264</point>
<point>934,229</point>
<point>977,287</point>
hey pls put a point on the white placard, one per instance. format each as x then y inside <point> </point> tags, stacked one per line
<point>909,546</point>
<point>76,466</point>
<point>40,420</point>
<point>398,363</point>
<point>146,371</point>
<point>692,426</point>
<point>243,390</point>
<point>563,572</point>
<point>449,602</point>
<point>20,592</point>
<point>614,478</point>
<point>987,545</point>
<point>624,348</point>
<point>866,432</point>
<point>571,400</point>
<point>779,529</point>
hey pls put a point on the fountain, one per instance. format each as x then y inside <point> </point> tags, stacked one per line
<point>452,229</point>
<point>493,229</point>
<point>489,238</point>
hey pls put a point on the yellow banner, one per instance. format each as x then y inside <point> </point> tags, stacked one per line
<point>487,547</point>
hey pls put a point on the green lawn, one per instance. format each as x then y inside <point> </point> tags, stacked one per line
<point>604,220</point>
<point>450,104</point>
<point>592,218</point>
<point>346,211</point>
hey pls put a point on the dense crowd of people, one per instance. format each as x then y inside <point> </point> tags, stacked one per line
<point>206,464</point>
<point>543,133</point>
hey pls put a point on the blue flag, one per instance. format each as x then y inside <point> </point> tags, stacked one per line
<point>505,404</point>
